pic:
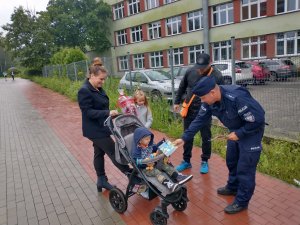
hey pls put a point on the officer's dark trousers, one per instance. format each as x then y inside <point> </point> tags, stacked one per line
<point>206,143</point>
<point>102,146</point>
<point>241,158</point>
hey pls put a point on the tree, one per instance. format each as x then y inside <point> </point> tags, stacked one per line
<point>29,38</point>
<point>83,24</point>
<point>67,55</point>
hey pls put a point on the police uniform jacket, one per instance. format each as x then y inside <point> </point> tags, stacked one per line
<point>187,83</point>
<point>237,110</point>
<point>94,105</point>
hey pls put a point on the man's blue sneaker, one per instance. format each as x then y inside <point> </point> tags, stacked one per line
<point>183,166</point>
<point>204,167</point>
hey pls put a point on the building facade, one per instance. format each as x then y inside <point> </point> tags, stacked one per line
<point>144,30</point>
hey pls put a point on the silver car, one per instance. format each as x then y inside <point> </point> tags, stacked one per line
<point>280,68</point>
<point>153,83</point>
<point>243,71</point>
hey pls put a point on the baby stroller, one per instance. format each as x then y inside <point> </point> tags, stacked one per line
<point>123,127</point>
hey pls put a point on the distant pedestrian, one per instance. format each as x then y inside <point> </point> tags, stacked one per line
<point>5,75</point>
<point>12,75</point>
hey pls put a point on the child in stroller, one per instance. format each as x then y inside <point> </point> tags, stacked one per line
<point>144,148</point>
<point>122,128</point>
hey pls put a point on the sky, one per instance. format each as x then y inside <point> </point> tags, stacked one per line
<point>7,8</point>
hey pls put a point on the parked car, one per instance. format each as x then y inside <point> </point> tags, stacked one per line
<point>280,68</point>
<point>260,72</point>
<point>154,83</point>
<point>179,72</point>
<point>243,73</point>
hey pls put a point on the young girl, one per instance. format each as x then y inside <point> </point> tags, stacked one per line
<point>142,109</point>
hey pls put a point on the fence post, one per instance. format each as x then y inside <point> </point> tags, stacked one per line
<point>172,78</point>
<point>129,68</point>
<point>75,71</point>
<point>67,71</point>
<point>233,59</point>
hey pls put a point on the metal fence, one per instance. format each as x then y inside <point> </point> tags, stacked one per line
<point>275,84</point>
<point>75,71</point>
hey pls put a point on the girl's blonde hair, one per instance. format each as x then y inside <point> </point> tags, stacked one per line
<point>96,67</point>
<point>140,94</point>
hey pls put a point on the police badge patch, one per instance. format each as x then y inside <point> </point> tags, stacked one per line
<point>249,117</point>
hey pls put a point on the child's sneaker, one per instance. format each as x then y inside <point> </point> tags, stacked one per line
<point>170,185</point>
<point>183,166</point>
<point>181,178</point>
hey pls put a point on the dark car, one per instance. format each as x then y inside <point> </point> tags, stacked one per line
<point>280,69</point>
<point>179,72</point>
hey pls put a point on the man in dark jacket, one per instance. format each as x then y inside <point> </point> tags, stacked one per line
<point>201,69</point>
<point>245,119</point>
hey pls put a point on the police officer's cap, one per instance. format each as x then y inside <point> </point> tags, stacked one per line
<point>204,86</point>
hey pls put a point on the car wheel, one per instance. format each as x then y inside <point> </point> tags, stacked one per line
<point>273,76</point>
<point>156,96</point>
<point>227,80</point>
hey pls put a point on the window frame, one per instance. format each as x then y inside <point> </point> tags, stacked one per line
<point>249,44</point>
<point>135,33</point>
<point>154,56</point>
<point>133,7</point>
<point>285,10</point>
<point>178,23</point>
<point>177,54</point>
<point>154,29</point>
<point>193,19</point>
<point>137,59</point>
<point>195,52</point>
<point>249,7</point>
<point>148,4</point>
<point>218,11</point>
<point>123,61</point>
<point>285,39</point>
<point>119,37</point>
<point>220,47</point>
<point>118,9</point>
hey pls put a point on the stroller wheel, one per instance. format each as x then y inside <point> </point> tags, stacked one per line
<point>157,217</point>
<point>180,205</point>
<point>117,200</point>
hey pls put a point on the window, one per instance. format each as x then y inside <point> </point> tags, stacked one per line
<point>123,63</point>
<point>174,25</point>
<point>154,30</point>
<point>138,61</point>
<point>253,9</point>
<point>195,20</point>
<point>254,47</point>
<point>169,1</point>
<point>150,4</point>
<point>288,43</point>
<point>122,37</point>
<point>119,10</point>
<point>136,34</point>
<point>194,52</point>
<point>222,50</point>
<point>140,78</point>
<point>156,59</point>
<point>134,6</point>
<point>284,6</point>
<point>222,14</point>
<point>177,57</point>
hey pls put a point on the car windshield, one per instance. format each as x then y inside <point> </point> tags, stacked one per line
<point>243,65</point>
<point>156,75</point>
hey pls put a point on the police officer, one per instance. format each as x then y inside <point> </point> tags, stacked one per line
<point>201,69</point>
<point>244,117</point>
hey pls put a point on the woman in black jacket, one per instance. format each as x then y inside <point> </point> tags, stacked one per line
<point>94,105</point>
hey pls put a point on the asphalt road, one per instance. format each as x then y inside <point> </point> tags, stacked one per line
<point>281,101</point>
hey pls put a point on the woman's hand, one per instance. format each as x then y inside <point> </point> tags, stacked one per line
<point>114,112</point>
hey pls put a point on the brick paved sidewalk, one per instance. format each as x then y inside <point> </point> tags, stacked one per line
<point>274,202</point>
<point>41,182</point>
